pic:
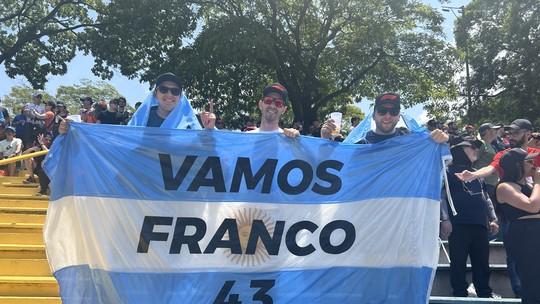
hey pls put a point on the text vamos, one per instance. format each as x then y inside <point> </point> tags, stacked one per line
<point>318,179</point>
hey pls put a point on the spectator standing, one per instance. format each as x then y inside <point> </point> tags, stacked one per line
<point>47,117</point>
<point>123,114</point>
<point>488,133</point>
<point>110,116</point>
<point>520,203</point>
<point>18,122</point>
<point>35,164</point>
<point>471,227</point>
<point>36,104</point>
<point>386,117</point>
<point>534,142</point>
<point>272,105</point>
<point>88,114</point>
<point>4,115</point>
<point>520,131</point>
<point>10,147</point>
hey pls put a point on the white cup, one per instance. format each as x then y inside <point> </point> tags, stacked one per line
<point>74,118</point>
<point>336,117</point>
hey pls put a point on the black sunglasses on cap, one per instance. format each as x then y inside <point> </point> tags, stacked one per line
<point>392,111</point>
<point>174,91</point>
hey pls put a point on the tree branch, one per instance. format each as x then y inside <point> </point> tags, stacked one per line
<point>353,82</point>
<point>16,14</point>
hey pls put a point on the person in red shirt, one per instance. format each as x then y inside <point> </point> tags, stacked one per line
<point>520,131</point>
<point>48,116</point>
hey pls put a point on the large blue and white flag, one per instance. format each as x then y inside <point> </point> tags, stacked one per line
<point>153,215</point>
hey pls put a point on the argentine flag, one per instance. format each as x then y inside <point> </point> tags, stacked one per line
<point>156,215</point>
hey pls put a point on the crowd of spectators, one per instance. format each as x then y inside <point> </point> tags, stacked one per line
<point>482,177</point>
<point>36,124</point>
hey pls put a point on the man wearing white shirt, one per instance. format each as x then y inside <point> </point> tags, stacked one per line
<point>272,106</point>
<point>10,147</point>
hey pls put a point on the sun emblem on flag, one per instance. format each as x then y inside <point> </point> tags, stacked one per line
<point>244,219</point>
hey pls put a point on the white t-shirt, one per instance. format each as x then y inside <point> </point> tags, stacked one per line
<point>39,108</point>
<point>258,130</point>
<point>10,148</point>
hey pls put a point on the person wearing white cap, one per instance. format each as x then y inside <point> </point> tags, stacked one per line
<point>10,147</point>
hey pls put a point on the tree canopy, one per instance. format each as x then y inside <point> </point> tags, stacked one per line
<point>39,37</point>
<point>503,37</point>
<point>69,94</point>
<point>326,53</point>
<point>322,51</point>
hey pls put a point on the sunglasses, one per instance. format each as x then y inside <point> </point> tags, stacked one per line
<point>392,111</point>
<point>165,90</point>
<point>277,101</point>
<point>529,161</point>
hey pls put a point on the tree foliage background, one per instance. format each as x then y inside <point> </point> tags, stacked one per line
<point>327,53</point>
<point>39,37</point>
<point>70,95</point>
<point>324,52</point>
<point>503,37</point>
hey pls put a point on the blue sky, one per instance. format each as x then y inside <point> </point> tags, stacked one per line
<point>80,68</point>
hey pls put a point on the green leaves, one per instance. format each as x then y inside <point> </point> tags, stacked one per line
<point>502,37</point>
<point>38,38</point>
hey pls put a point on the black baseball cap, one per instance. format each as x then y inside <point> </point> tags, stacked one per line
<point>514,156</point>
<point>168,77</point>
<point>520,124</point>
<point>276,88</point>
<point>388,100</point>
<point>465,141</point>
<point>10,128</point>
<point>484,127</point>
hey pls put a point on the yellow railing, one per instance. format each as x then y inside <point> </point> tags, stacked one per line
<point>21,157</point>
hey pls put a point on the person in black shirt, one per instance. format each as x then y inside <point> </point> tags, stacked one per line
<point>471,226</point>
<point>386,117</point>
<point>519,201</point>
<point>110,115</point>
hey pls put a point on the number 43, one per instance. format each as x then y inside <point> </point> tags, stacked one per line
<point>261,294</point>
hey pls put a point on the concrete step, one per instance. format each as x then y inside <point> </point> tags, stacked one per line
<point>456,300</point>
<point>35,238</point>
<point>30,300</point>
<point>23,210</point>
<point>12,179</point>
<point>21,228</point>
<point>24,267</point>
<point>497,253</point>
<point>19,190</point>
<point>499,281</point>
<point>22,251</point>
<point>6,217</point>
<point>23,197</point>
<point>18,185</point>
<point>33,203</point>
<point>38,286</point>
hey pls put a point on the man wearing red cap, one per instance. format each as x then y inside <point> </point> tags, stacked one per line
<point>272,106</point>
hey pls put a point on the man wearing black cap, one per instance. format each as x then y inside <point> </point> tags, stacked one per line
<point>520,131</point>
<point>272,106</point>
<point>386,117</point>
